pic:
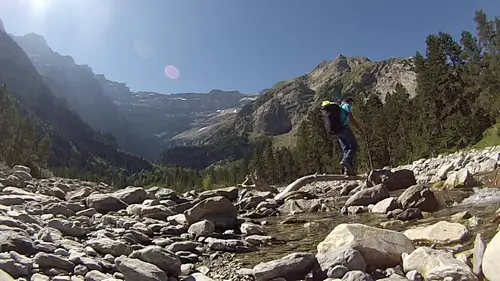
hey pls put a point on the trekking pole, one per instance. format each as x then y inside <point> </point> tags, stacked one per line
<point>368,151</point>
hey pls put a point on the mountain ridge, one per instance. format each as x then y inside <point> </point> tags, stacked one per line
<point>76,145</point>
<point>143,123</point>
<point>279,111</point>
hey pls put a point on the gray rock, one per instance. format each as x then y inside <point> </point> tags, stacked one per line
<point>58,208</point>
<point>258,239</point>
<point>357,275</point>
<point>109,246</point>
<point>68,228</point>
<point>202,228</point>
<point>342,256</point>
<point>491,256</point>
<point>385,206</point>
<point>14,267</point>
<point>52,261</point>
<point>479,248</point>
<point>419,196</point>
<point>217,209</point>
<point>80,270</point>
<point>105,203</point>
<point>16,241</point>
<point>134,269</point>
<point>248,228</point>
<point>413,275</point>
<point>410,214</point>
<point>4,276</point>
<point>164,259</point>
<point>183,246</point>
<point>294,266</point>
<point>39,277</point>
<point>231,193</point>
<point>131,195</point>
<point>337,271</point>
<point>230,245</point>
<point>95,275</point>
<point>367,196</point>
<point>396,180</point>
<point>87,212</point>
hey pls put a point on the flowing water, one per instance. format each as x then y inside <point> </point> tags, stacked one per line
<point>302,237</point>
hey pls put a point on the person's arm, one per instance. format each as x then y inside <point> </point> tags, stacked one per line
<point>354,122</point>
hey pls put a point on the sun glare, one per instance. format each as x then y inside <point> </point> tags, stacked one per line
<point>39,5</point>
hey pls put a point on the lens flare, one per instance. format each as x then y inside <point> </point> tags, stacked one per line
<point>172,72</point>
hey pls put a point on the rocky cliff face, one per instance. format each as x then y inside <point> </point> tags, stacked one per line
<point>143,122</point>
<point>77,85</point>
<point>75,144</point>
<point>281,109</point>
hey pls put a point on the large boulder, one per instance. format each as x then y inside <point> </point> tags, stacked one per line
<point>4,276</point>
<point>162,258</point>
<point>379,247</point>
<point>291,267</point>
<point>367,196</point>
<point>45,260</point>
<point>131,195</point>
<point>68,228</point>
<point>134,269</point>
<point>419,196</point>
<point>491,256</point>
<point>218,210</point>
<point>437,265</point>
<point>385,206</point>
<point>231,193</point>
<point>458,179</point>
<point>442,232</point>
<point>18,241</point>
<point>345,257</point>
<point>109,246</point>
<point>399,179</point>
<point>105,203</point>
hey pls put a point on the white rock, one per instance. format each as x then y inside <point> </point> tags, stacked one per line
<point>379,247</point>
<point>491,259</point>
<point>440,232</point>
<point>437,265</point>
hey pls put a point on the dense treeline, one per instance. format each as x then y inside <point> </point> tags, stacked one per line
<point>20,142</point>
<point>227,148</point>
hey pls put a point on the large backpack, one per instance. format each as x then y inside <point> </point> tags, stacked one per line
<point>331,118</point>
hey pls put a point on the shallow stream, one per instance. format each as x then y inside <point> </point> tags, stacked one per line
<point>298,237</point>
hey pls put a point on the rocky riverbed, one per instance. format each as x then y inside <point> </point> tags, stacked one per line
<point>434,219</point>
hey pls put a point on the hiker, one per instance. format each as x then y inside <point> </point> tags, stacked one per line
<point>337,120</point>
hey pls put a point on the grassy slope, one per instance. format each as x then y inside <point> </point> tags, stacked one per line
<point>490,138</point>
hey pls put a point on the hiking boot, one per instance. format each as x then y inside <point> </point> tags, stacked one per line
<point>348,170</point>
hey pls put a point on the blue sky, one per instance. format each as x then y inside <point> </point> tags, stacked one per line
<point>244,45</point>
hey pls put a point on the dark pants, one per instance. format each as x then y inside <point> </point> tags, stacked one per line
<point>348,144</point>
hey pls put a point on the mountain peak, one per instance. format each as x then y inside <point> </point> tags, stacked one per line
<point>33,41</point>
<point>1,26</point>
<point>35,37</point>
<point>340,57</point>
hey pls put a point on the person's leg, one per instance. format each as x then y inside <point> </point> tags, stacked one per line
<point>350,153</point>
<point>345,145</point>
